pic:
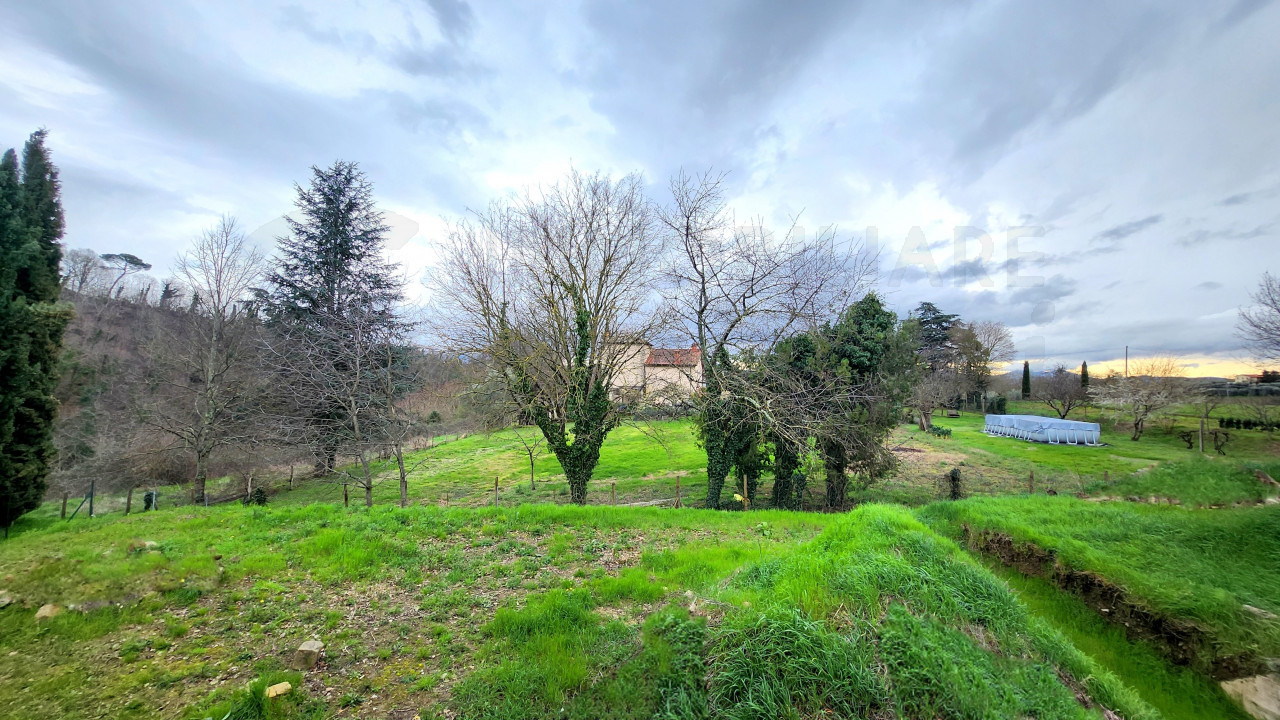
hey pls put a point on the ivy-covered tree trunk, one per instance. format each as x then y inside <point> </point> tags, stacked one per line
<point>588,409</point>
<point>716,434</point>
<point>786,464</point>
<point>836,463</point>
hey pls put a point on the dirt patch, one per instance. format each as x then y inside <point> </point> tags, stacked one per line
<point>1182,641</point>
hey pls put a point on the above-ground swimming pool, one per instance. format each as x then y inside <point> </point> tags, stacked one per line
<point>1036,428</point>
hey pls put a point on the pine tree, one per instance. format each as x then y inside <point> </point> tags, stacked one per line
<point>1026,379</point>
<point>1084,375</point>
<point>31,323</point>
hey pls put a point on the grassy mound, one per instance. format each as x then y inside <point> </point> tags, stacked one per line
<point>894,621</point>
<point>530,612</point>
<point>1186,575</point>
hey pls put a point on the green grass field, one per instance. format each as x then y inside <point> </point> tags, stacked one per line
<point>1198,566</point>
<point>536,609</point>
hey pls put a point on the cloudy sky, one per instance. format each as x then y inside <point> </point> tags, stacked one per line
<point>1096,174</point>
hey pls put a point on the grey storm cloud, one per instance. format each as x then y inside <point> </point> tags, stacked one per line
<point>1103,127</point>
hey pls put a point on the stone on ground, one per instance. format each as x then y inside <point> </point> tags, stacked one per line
<point>47,611</point>
<point>278,689</point>
<point>1259,695</point>
<point>307,655</point>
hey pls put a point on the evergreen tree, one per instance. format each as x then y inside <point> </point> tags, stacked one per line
<point>1084,375</point>
<point>330,263</point>
<point>331,276</point>
<point>31,323</point>
<point>936,346</point>
<point>1026,379</point>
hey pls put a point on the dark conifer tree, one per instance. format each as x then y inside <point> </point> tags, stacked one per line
<point>330,273</point>
<point>935,334</point>
<point>1026,379</point>
<point>1084,375</point>
<point>31,323</point>
<point>330,263</point>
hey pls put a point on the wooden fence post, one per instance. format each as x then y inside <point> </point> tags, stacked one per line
<point>290,476</point>
<point>495,491</point>
<point>128,501</point>
<point>64,506</point>
<point>1106,477</point>
<point>613,493</point>
<point>677,491</point>
<point>1031,482</point>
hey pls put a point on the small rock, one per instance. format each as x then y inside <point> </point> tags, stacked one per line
<point>278,689</point>
<point>47,611</point>
<point>5,598</point>
<point>307,655</point>
<point>1259,612</point>
<point>1259,695</point>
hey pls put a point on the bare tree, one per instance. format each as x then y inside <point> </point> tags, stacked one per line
<point>336,384</point>
<point>1264,409</point>
<point>1153,385</point>
<point>1204,402</point>
<point>200,361</point>
<point>82,270</point>
<point>1260,325</point>
<point>738,289</point>
<point>1060,390</point>
<point>399,376</point>
<point>931,392</point>
<point>556,291</point>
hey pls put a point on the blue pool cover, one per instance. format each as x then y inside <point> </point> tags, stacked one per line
<point>1043,429</point>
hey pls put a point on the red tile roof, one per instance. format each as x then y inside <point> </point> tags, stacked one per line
<point>674,357</point>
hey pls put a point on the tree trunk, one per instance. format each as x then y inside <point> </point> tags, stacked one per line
<point>719,463</point>
<point>578,479</point>
<point>531,485</point>
<point>404,478</point>
<point>833,458</point>
<point>1137,429</point>
<point>786,460</point>
<point>202,475</point>
<point>368,481</point>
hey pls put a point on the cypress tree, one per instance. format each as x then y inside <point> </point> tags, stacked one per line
<point>1026,379</point>
<point>1084,375</point>
<point>31,323</point>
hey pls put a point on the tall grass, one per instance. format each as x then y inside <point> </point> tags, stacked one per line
<point>1198,565</point>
